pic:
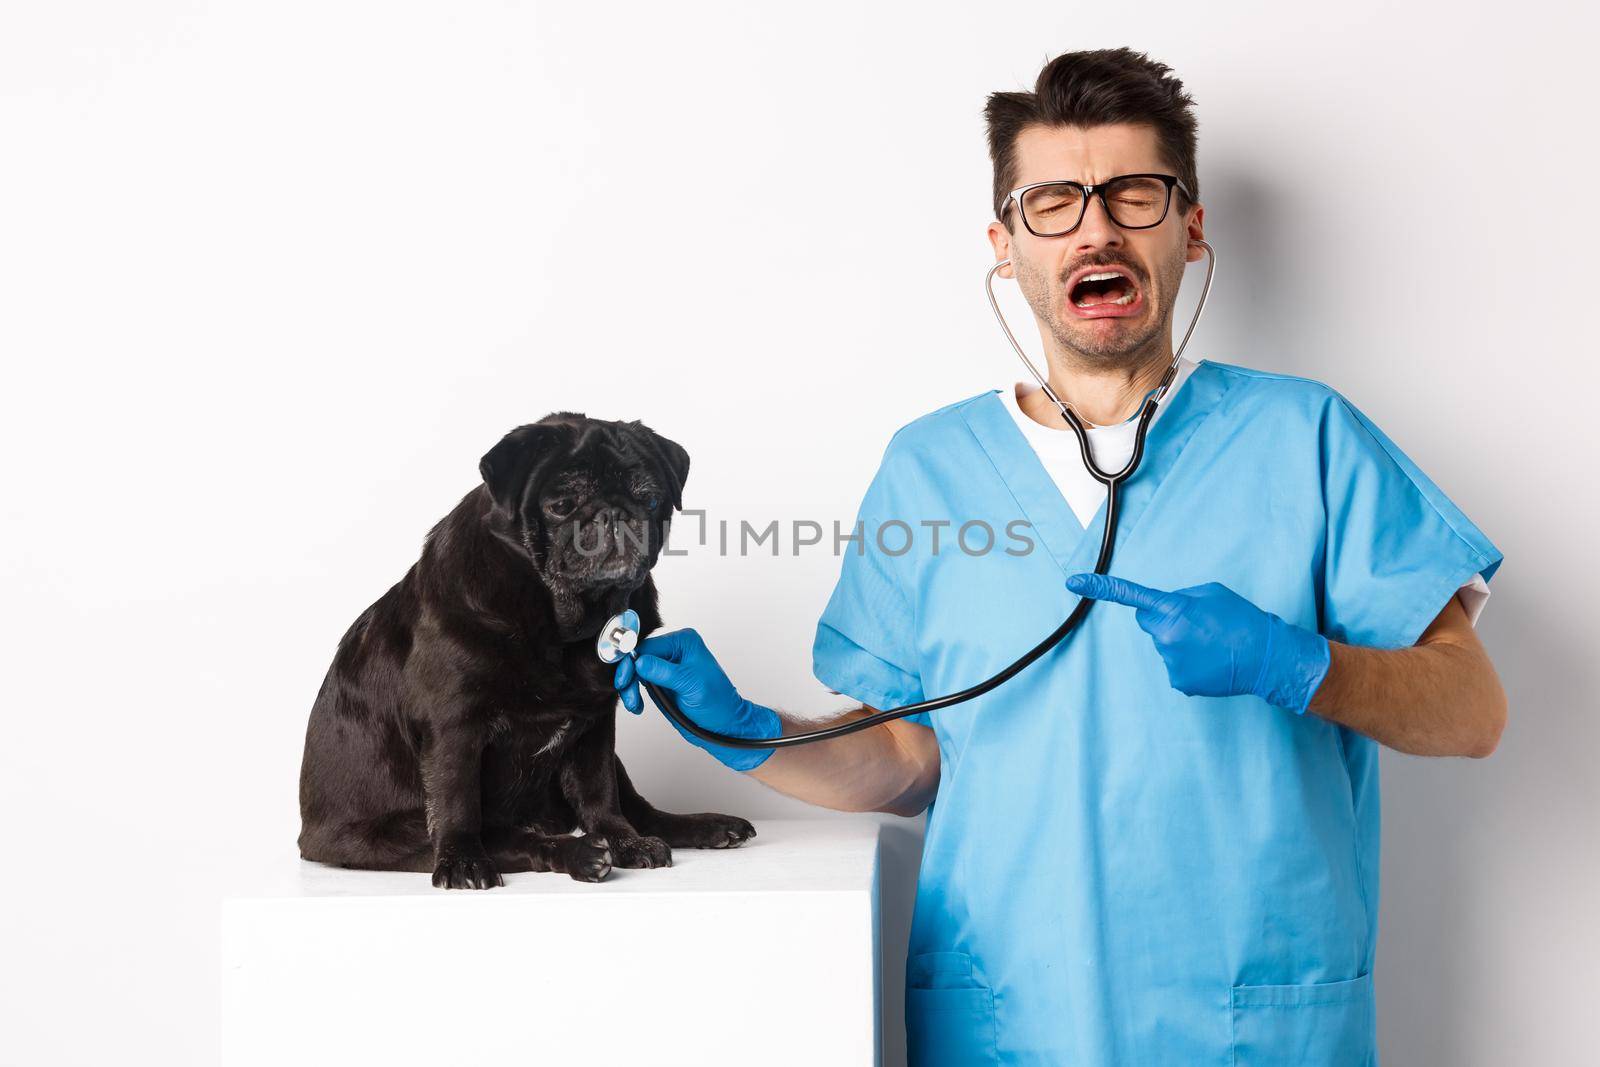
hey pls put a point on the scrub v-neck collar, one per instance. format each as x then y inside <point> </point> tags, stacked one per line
<point>1070,544</point>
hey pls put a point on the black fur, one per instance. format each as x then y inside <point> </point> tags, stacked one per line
<point>466,726</point>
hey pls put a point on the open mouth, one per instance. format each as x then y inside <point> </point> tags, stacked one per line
<point>1104,292</point>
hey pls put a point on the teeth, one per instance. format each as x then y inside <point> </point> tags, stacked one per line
<point>1103,276</point>
<point>1124,300</point>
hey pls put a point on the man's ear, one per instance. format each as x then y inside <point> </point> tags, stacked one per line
<point>1000,240</point>
<point>674,459</point>
<point>1196,231</point>
<point>510,465</point>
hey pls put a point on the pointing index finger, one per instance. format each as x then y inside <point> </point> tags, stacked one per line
<point>1116,590</point>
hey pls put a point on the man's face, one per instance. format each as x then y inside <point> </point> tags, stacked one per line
<point>1102,323</point>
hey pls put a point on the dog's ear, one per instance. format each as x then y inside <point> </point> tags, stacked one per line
<point>509,466</point>
<point>674,460</point>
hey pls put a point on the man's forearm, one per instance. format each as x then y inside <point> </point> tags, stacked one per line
<point>1440,697</point>
<point>870,770</point>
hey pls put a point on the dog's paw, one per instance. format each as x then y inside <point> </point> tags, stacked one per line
<point>641,852</point>
<point>587,859</point>
<point>707,830</point>
<point>466,870</point>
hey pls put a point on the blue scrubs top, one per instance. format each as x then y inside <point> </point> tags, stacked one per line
<point>1114,872</point>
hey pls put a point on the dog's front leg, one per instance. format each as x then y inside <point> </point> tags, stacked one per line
<point>589,783</point>
<point>706,829</point>
<point>452,769</point>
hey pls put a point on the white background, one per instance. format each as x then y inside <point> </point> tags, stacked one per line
<point>273,276</point>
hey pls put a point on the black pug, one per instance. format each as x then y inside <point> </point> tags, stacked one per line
<point>466,726</point>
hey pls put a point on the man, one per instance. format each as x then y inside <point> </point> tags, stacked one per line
<point>1159,843</point>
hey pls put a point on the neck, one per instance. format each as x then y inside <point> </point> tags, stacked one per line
<point>1103,396</point>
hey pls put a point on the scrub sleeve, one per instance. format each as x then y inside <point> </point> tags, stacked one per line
<point>865,643</point>
<point>1396,547</point>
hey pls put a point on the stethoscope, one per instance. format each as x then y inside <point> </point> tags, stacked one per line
<point>620,635</point>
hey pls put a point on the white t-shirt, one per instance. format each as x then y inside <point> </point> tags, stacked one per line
<point>1057,449</point>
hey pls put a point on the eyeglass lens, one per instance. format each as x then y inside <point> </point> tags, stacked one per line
<point>1134,203</point>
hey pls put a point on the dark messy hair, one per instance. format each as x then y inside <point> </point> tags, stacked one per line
<point>1095,88</point>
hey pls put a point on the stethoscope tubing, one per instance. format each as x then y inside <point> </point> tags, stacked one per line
<point>669,707</point>
<point>1112,482</point>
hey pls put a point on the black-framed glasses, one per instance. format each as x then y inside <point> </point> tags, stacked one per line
<point>1134,202</point>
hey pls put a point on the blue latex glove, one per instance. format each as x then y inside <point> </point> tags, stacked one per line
<point>1216,643</point>
<point>680,663</point>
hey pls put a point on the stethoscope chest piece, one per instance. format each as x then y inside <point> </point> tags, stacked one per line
<point>618,637</point>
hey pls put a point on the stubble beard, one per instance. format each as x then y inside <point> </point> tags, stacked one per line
<point>1118,351</point>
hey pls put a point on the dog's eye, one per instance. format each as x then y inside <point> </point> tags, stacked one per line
<point>561,507</point>
<point>653,503</point>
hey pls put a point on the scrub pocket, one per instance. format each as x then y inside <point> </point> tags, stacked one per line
<point>1326,1024</point>
<point>949,1013</point>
